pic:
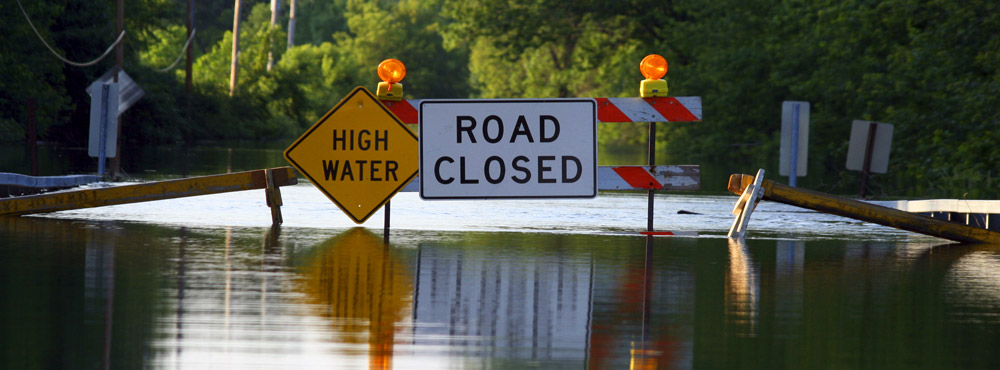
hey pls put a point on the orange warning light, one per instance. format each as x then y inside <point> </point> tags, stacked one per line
<point>391,71</point>
<point>653,67</point>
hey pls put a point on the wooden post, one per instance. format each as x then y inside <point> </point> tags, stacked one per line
<point>863,211</point>
<point>867,165</point>
<point>114,164</point>
<point>273,197</point>
<point>385,231</point>
<point>32,137</point>
<point>234,66</point>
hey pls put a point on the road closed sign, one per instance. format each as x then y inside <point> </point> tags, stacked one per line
<point>504,149</point>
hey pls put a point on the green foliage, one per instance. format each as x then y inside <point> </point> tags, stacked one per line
<point>29,71</point>
<point>932,68</point>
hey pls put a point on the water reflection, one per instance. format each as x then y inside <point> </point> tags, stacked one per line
<point>62,302</point>
<point>742,290</point>
<point>364,290</point>
<point>520,306</point>
<point>84,294</point>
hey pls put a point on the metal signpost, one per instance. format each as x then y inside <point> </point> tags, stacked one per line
<point>794,153</point>
<point>504,149</point>
<point>358,154</point>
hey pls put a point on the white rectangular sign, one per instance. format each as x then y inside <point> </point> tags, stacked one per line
<point>800,144</point>
<point>500,149</point>
<point>104,108</point>
<point>859,144</point>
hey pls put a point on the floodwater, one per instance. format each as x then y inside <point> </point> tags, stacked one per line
<point>206,282</point>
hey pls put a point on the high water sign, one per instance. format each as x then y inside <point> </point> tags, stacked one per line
<point>359,154</point>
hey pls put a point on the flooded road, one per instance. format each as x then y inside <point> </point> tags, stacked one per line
<point>206,283</point>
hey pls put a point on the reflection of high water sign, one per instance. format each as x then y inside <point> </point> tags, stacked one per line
<point>359,154</point>
<point>495,149</point>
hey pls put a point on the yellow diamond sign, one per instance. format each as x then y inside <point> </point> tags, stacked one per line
<point>359,154</point>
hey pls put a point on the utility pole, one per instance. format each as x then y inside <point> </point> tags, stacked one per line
<point>189,54</point>
<point>275,10</point>
<point>291,24</point>
<point>234,67</point>
<point>188,61</point>
<point>115,163</point>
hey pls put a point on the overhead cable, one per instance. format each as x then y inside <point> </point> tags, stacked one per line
<point>72,63</point>
<point>186,44</point>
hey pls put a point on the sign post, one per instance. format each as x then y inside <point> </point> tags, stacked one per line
<point>794,153</point>
<point>358,154</point>
<point>508,149</point>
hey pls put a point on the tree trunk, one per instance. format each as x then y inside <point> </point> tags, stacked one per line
<point>275,11</point>
<point>291,24</point>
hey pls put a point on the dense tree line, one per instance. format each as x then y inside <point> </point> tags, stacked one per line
<point>930,67</point>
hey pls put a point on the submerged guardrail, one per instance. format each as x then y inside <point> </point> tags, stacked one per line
<point>269,179</point>
<point>770,190</point>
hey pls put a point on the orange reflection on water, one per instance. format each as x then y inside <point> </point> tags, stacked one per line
<point>364,289</point>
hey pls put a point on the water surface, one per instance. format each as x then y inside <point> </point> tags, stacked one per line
<point>206,282</point>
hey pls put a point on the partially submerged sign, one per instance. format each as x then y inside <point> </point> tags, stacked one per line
<point>359,154</point>
<point>496,149</point>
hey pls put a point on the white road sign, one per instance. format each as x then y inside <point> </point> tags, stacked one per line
<point>500,149</point>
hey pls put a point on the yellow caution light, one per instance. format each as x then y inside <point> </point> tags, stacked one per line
<point>653,67</point>
<point>390,71</point>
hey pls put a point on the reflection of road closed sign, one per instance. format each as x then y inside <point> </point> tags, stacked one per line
<point>482,149</point>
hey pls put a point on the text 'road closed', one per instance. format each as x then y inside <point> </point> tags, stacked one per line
<point>508,149</point>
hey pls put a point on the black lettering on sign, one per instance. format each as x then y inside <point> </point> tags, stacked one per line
<point>521,129</point>
<point>337,170</point>
<point>345,140</point>
<point>579,169</point>
<point>486,129</point>
<point>486,170</point>
<point>437,170</point>
<point>383,139</point>
<point>339,136</point>
<point>542,169</point>
<point>376,165</point>
<point>555,125</point>
<point>363,143</point>
<point>524,170</point>
<point>330,169</point>
<point>461,172</point>
<point>390,170</point>
<point>459,127</point>
<point>347,171</point>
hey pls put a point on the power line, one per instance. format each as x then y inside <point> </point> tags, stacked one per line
<point>186,44</point>
<point>72,63</point>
